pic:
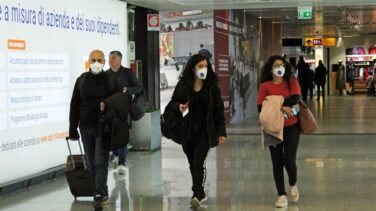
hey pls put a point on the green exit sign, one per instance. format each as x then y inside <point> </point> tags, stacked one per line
<point>304,13</point>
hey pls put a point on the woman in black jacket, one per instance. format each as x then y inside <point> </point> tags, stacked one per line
<point>198,97</point>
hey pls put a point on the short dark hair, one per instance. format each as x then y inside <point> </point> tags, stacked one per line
<point>201,45</point>
<point>116,53</point>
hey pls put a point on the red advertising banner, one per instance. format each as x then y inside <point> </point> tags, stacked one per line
<point>221,56</point>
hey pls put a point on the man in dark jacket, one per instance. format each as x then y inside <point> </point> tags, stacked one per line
<point>205,52</point>
<point>86,104</point>
<point>305,77</point>
<point>320,80</point>
<point>122,79</point>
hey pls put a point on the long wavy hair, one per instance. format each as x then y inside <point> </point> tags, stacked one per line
<point>267,70</point>
<point>188,74</point>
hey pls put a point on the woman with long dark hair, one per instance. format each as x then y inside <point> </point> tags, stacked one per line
<point>277,79</point>
<point>198,97</point>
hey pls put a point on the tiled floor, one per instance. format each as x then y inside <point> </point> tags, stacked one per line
<point>336,171</point>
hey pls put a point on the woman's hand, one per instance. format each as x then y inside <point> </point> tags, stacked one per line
<point>221,139</point>
<point>183,107</point>
<point>288,111</point>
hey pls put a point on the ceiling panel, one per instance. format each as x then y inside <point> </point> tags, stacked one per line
<point>179,5</point>
<point>330,17</point>
<point>327,21</point>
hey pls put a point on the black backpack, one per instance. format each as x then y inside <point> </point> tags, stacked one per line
<point>173,125</point>
<point>139,105</point>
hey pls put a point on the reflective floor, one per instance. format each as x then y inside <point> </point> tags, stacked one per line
<point>336,171</point>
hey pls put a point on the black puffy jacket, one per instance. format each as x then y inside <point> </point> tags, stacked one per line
<point>88,92</point>
<point>114,121</point>
<point>215,117</point>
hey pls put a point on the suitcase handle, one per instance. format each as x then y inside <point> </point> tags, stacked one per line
<point>70,153</point>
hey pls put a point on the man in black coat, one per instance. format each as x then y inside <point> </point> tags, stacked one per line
<point>122,79</point>
<point>86,104</point>
<point>205,52</point>
<point>320,79</point>
<point>305,77</point>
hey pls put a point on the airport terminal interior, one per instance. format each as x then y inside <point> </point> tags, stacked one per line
<point>45,47</point>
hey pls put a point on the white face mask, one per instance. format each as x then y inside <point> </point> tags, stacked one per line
<point>202,73</point>
<point>279,71</point>
<point>96,68</point>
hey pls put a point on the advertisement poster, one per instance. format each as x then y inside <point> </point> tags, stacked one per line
<point>237,47</point>
<point>46,42</point>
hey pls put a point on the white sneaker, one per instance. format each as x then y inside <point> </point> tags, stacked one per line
<point>294,192</point>
<point>121,169</point>
<point>196,202</point>
<point>281,202</point>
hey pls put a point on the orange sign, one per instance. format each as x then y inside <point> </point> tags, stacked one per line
<point>87,66</point>
<point>16,44</point>
<point>329,42</point>
<point>326,42</point>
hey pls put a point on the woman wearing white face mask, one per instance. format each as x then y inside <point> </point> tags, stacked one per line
<point>277,79</point>
<point>198,97</point>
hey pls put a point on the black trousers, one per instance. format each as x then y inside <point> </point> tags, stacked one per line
<point>310,92</point>
<point>322,88</point>
<point>304,90</point>
<point>284,155</point>
<point>97,156</point>
<point>196,150</point>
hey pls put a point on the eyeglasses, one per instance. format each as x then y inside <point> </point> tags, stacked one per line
<point>96,60</point>
<point>201,66</point>
<point>278,65</point>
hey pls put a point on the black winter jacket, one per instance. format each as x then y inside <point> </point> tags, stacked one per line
<point>320,75</point>
<point>215,117</point>
<point>305,76</point>
<point>114,121</point>
<point>126,79</point>
<point>88,92</point>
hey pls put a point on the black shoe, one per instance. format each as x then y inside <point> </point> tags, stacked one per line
<point>317,99</point>
<point>100,201</point>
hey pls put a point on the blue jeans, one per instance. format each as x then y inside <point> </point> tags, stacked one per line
<point>97,156</point>
<point>122,153</point>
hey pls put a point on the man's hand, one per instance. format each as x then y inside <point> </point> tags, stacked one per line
<point>102,106</point>
<point>73,134</point>
<point>221,139</point>
<point>124,89</point>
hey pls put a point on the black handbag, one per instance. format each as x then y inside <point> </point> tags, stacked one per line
<point>173,125</point>
<point>139,105</point>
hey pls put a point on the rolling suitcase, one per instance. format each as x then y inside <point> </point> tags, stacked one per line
<point>81,182</point>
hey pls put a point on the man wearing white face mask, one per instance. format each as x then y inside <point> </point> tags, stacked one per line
<point>89,91</point>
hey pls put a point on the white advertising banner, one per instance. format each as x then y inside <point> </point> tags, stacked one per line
<point>40,59</point>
